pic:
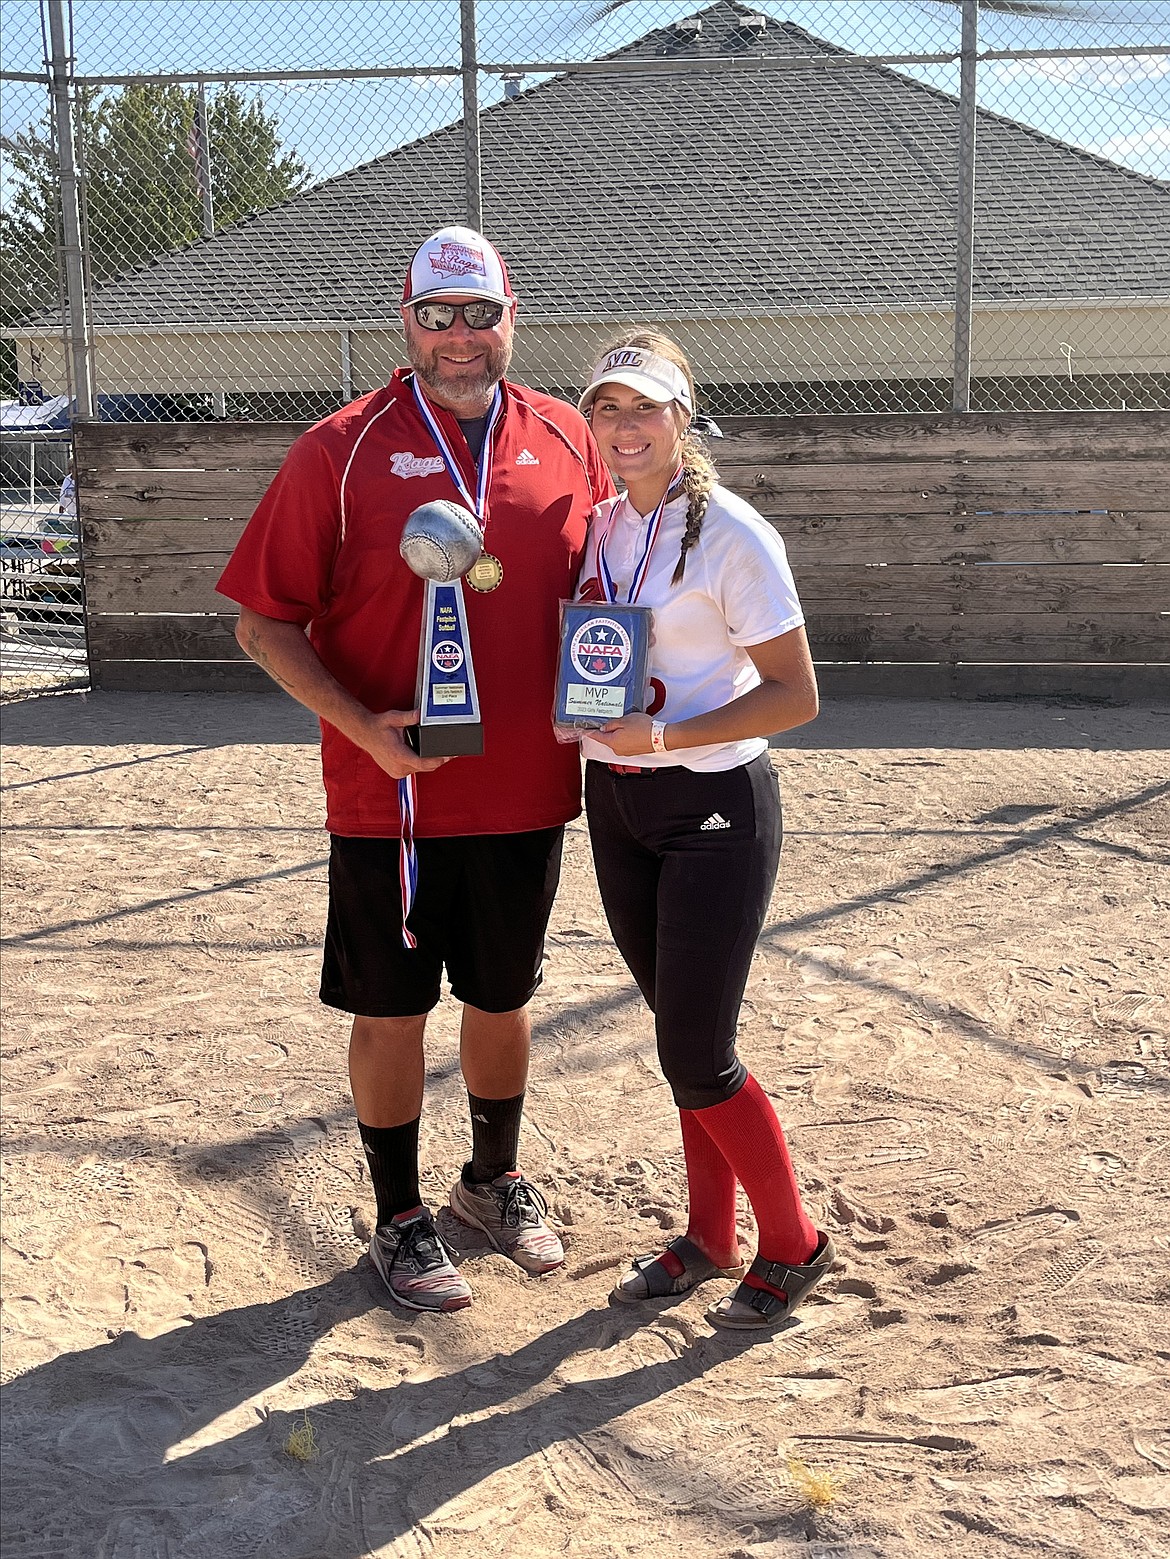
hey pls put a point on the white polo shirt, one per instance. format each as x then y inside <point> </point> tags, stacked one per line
<point>737,591</point>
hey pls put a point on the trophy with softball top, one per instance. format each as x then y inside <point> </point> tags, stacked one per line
<point>601,670</point>
<point>440,542</point>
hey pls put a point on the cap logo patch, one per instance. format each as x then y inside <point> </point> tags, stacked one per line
<point>623,359</point>
<point>458,260</point>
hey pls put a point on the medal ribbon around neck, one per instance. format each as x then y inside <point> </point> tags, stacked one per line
<point>483,469</point>
<point>407,789</point>
<point>642,567</point>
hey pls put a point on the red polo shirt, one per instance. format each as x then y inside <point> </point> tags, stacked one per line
<point>322,551</point>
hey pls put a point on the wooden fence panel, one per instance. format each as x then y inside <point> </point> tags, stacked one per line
<point>1096,640</point>
<point>122,541</point>
<point>918,487</point>
<point>933,487</point>
<point>109,447</point>
<point>186,637</point>
<point>937,555</point>
<point>864,440</point>
<point>986,587</point>
<point>161,584</point>
<point>1113,536</point>
<point>170,583</point>
<point>1099,639</point>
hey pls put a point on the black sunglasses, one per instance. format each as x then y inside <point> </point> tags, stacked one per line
<point>476,316</point>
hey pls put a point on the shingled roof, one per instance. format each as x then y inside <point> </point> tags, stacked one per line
<point>690,195</point>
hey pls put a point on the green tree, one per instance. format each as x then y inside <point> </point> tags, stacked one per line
<point>136,151</point>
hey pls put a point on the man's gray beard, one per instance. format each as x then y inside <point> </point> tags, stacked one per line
<point>469,393</point>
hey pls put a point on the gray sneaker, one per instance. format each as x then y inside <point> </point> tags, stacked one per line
<point>510,1211</point>
<point>415,1265</point>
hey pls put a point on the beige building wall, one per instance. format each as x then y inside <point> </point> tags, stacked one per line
<point>838,345</point>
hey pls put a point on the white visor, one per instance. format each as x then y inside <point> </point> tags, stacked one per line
<point>655,377</point>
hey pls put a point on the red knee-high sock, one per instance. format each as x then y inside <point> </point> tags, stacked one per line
<point>711,1192</point>
<point>745,1130</point>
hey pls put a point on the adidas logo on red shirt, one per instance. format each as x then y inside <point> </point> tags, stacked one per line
<point>526,458</point>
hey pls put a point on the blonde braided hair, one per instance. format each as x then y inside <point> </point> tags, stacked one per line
<point>699,473</point>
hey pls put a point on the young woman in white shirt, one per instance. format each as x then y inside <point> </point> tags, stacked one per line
<point>684,813</point>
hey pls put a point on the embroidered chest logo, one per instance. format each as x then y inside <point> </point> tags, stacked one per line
<point>405,464</point>
<point>458,260</point>
<point>601,649</point>
<point>526,458</point>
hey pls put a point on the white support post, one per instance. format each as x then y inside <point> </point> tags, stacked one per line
<point>965,208</point>
<point>472,177</point>
<point>76,301</point>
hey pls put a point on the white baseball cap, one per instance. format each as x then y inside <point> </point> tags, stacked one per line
<point>655,377</point>
<point>456,262</point>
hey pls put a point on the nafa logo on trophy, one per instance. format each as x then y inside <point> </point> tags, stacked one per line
<point>600,649</point>
<point>447,656</point>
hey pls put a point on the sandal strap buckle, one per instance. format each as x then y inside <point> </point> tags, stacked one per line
<point>774,1273</point>
<point>766,1303</point>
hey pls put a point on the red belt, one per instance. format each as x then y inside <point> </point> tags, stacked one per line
<point>625,768</point>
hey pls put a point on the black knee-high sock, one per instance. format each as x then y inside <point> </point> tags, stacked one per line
<point>392,1154</point>
<point>495,1136</point>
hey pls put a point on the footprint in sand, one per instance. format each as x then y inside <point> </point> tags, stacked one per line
<point>1065,1270</point>
<point>700,1463</point>
<point>976,1402</point>
<point>1114,1372</point>
<point>1126,1080</point>
<point>162,1283</point>
<point>1045,1483</point>
<point>1154,1445</point>
<point>1142,1494</point>
<point>1024,1229</point>
<point>229,1227</point>
<point>122,1434</point>
<point>620,1351</point>
<point>1102,1165</point>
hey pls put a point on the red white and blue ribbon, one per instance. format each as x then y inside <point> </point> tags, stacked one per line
<point>407,789</point>
<point>642,567</point>
<point>407,856</point>
<point>483,471</point>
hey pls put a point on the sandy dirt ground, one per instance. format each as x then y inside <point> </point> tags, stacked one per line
<point>958,1008</point>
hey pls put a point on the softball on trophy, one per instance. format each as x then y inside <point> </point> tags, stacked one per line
<point>441,540</point>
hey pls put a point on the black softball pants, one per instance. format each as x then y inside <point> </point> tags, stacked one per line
<point>686,862</point>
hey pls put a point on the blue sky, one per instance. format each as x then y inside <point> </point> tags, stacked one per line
<point>1120,108</point>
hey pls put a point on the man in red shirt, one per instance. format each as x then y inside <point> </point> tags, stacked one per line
<point>333,614</point>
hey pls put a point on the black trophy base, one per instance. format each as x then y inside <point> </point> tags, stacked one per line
<point>462,739</point>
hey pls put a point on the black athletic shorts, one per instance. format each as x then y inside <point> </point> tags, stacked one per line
<point>481,908</point>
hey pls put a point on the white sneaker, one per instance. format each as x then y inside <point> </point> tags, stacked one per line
<point>510,1211</point>
<point>416,1266</point>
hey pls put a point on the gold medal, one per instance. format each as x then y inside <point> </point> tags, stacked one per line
<point>485,574</point>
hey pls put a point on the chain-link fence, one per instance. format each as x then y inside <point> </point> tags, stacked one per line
<point>42,612</point>
<point>837,205</point>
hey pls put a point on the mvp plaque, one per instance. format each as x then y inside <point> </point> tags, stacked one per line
<point>601,669</point>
